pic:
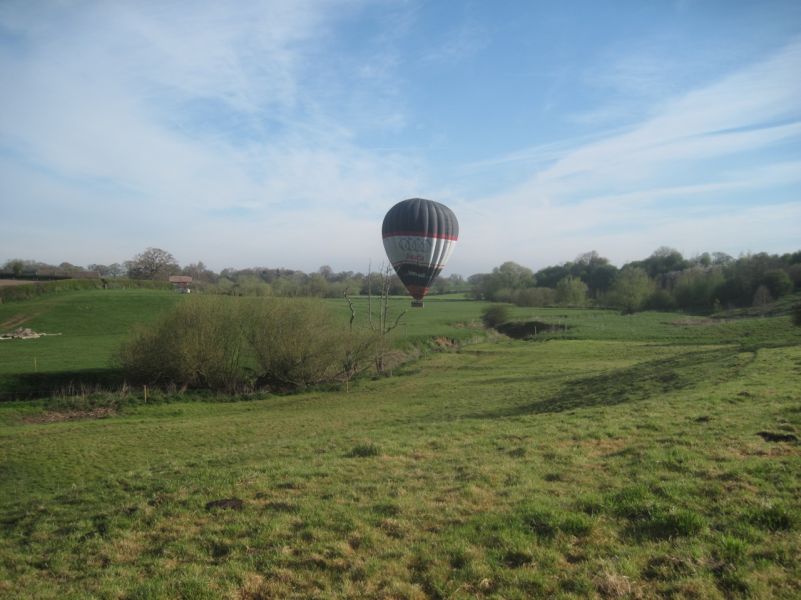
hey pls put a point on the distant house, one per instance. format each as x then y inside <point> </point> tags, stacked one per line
<point>181,283</point>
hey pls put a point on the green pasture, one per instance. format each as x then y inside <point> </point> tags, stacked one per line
<point>642,456</point>
<point>92,324</point>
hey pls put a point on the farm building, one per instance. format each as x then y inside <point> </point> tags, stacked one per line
<point>181,283</point>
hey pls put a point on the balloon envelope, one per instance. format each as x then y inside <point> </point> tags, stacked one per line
<point>419,237</point>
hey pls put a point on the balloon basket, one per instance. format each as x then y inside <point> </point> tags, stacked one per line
<point>417,304</point>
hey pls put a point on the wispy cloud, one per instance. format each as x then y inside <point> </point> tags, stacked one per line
<point>634,190</point>
<point>279,132</point>
<point>136,118</point>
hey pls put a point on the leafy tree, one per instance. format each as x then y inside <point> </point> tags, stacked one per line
<point>663,260</point>
<point>778,283</point>
<point>502,281</point>
<point>631,288</point>
<point>696,287</point>
<point>102,270</point>
<point>535,296</point>
<point>550,276</point>
<point>199,272</point>
<point>14,266</point>
<point>153,263</point>
<point>721,258</point>
<point>70,269</point>
<point>572,291</point>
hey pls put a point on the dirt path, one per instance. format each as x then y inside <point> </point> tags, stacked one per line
<point>15,321</point>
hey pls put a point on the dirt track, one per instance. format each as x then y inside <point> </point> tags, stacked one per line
<point>15,321</point>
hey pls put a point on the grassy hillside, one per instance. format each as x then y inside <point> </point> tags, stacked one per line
<point>91,325</point>
<point>642,456</point>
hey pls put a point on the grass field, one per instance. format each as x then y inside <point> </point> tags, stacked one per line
<point>653,455</point>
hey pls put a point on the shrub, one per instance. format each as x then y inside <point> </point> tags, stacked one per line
<point>228,344</point>
<point>199,343</point>
<point>495,315</point>
<point>297,343</point>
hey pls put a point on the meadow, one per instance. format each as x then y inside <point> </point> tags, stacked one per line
<point>640,456</point>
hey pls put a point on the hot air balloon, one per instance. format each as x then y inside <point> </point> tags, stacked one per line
<point>419,236</point>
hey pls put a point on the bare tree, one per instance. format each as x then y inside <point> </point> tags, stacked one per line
<point>384,324</point>
<point>153,263</point>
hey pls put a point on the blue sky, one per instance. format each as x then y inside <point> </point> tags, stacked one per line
<point>279,133</point>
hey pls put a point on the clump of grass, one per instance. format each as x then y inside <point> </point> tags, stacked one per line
<point>773,517</point>
<point>666,567</point>
<point>649,516</point>
<point>669,523</point>
<point>731,551</point>
<point>364,451</point>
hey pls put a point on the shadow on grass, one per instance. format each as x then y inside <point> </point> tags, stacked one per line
<point>632,384</point>
<point>24,386</point>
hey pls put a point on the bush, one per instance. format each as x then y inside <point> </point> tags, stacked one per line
<point>198,344</point>
<point>227,344</point>
<point>495,315</point>
<point>297,343</point>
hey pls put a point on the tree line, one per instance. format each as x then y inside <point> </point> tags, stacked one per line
<point>158,265</point>
<point>665,280</point>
